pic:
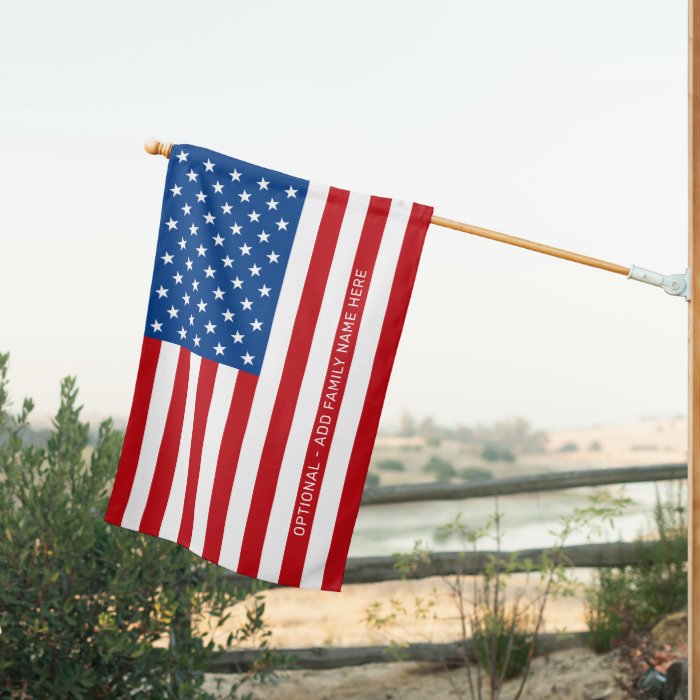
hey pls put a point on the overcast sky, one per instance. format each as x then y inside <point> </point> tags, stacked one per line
<point>564,122</point>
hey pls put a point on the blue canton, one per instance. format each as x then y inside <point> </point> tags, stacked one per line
<point>226,232</point>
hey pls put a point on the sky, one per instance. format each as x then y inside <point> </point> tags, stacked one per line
<point>564,122</point>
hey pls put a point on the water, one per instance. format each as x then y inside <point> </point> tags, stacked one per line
<point>527,520</point>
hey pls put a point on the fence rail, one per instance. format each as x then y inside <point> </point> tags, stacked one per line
<point>531,483</point>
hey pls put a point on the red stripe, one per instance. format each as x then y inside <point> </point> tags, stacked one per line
<point>205,389</point>
<point>227,462</point>
<point>134,431</point>
<point>401,287</point>
<point>316,456</point>
<point>169,447</point>
<point>292,375</point>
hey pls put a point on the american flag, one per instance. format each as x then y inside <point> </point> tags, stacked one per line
<point>274,316</point>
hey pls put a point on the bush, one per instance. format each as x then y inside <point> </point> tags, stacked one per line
<point>568,447</point>
<point>83,603</point>
<point>629,599</point>
<point>496,453</point>
<point>371,481</point>
<point>391,465</point>
<point>475,474</point>
<point>441,468</point>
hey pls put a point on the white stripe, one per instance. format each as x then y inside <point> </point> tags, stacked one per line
<point>170,527</point>
<point>268,381</point>
<point>153,434</point>
<point>355,393</point>
<point>214,431</point>
<point>334,298</point>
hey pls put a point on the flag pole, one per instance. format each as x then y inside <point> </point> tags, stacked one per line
<point>157,148</point>
<point>693,346</point>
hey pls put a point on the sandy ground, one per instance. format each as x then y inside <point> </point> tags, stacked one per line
<point>576,674</point>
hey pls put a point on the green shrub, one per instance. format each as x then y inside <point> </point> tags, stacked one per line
<point>568,447</point>
<point>371,481</point>
<point>441,468</point>
<point>496,453</point>
<point>475,474</point>
<point>83,603</point>
<point>391,465</point>
<point>633,597</point>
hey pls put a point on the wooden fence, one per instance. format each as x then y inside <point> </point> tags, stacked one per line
<point>382,568</point>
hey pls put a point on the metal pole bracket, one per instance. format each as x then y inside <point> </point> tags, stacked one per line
<point>675,285</point>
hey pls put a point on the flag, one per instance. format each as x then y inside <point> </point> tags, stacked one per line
<point>275,311</point>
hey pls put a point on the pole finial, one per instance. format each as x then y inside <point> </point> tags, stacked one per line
<point>156,148</point>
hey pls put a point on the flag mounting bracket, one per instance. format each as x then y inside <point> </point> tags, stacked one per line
<point>675,285</point>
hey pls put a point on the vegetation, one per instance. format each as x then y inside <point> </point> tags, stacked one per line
<point>475,474</point>
<point>496,453</point>
<point>372,480</point>
<point>391,465</point>
<point>568,447</point>
<point>89,610</point>
<point>627,600</point>
<point>441,468</point>
<point>500,623</point>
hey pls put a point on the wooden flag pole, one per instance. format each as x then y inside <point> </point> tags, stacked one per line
<point>163,149</point>
<point>693,347</point>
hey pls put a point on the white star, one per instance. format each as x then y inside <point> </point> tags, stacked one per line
<point>227,208</point>
<point>176,190</point>
<point>167,259</point>
<point>237,284</point>
<point>193,230</point>
<point>228,315</point>
<point>237,337</point>
<point>263,183</point>
<point>157,327</point>
<point>189,264</point>
<point>228,262</point>
<point>171,224</point>
<point>201,196</point>
<point>208,166</point>
<point>218,187</point>
<point>196,340</point>
<point>271,204</point>
<point>162,292</point>
<point>201,250</point>
<point>182,243</point>
<point>235,175</point>
<point>235,230</point>
<point>265,291</point>
<point>186,209</point>
<point>209,272</point>
<point>245,197</point>
<point>186,299</point>
<point>183,333</point>
<point>210,327</point>
<point>182,156</point>
<point>178,278</point>
<point>282,225</point>
<point>192,175</point>
<point>245,249</point>
<point>254,216</point>
<point>195,285</point>
<point>173,312</point>
<point>247,358</point>
<point>257,325</point>
<point>263,237</point>
<point>291,192</point>
<point>209,218</point>
<point>202,306</point>
<point>191,319</point>
<point>254,271</point>
<point>273,257</point>
<point>219,349</point>
<point>218,240</point>
<point>247,304</point>
<point>218,294</point>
